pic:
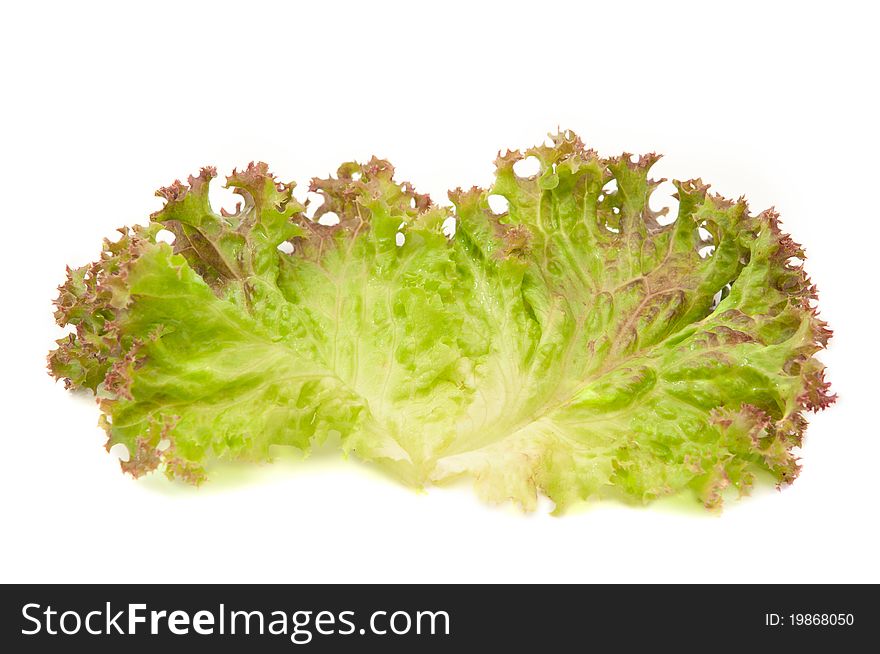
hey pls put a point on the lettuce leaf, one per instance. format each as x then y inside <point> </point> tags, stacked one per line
<point>573,345</point>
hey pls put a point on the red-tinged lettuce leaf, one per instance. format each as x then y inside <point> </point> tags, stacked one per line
<point>572,345</point>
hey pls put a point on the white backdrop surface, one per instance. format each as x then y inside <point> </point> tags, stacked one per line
<point>102,104</point>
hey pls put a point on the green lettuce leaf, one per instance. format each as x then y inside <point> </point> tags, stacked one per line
<point>571,345</point>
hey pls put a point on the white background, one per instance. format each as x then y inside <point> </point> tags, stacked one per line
<point>103,104</point>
